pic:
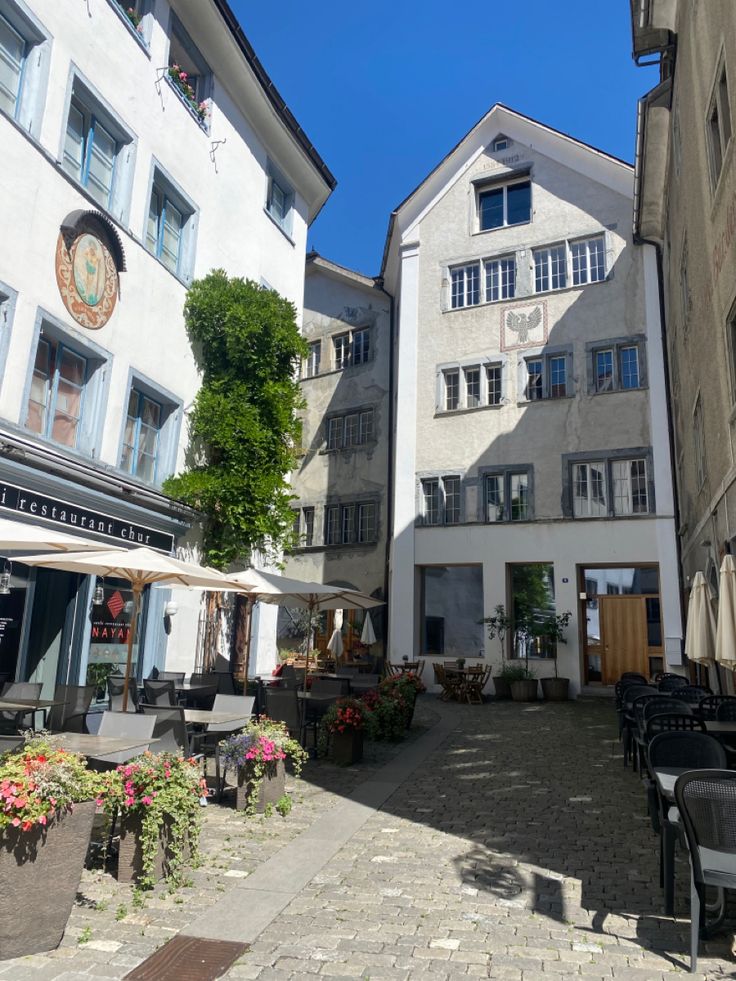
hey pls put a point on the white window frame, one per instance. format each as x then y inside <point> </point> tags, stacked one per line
<point>341,351</point>
<point>33,80</point>
<point>718,123</point>
<point>500,278</point>
<point>509,479</point>
<point>346,522</point>
<point>313,359</point>
<point>616,349</point>
<point>170,195</point>
<point>546,360</point>
<point>350,430</point>
<point>432,484</point>
<point>591,264</point>
<point>455,377</point>
<point>481,191</point>
<point>465,286</point>
<point>628,491</point>
<point>546,261</point>
<point>582,477</point>
<point>345,340</point>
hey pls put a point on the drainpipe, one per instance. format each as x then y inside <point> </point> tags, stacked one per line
<point>390,474</point>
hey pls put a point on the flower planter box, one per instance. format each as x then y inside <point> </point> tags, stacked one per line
<point>270,790</point>
<point>346,747</point>
<point>556,689</point>
<point>410,711</point>
<point>130,854</point>
<point>501,686</point>
<point>524,691</point>
<point>40,871</point>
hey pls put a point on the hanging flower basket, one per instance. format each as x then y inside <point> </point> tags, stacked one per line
<point>47,806</point>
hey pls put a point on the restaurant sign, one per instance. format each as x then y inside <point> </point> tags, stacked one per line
<point>76,518</point>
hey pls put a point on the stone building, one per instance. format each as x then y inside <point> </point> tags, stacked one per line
<point>342,507</point>
<point>143,145</point>
<point>531,461</point>
<point>686,206</point>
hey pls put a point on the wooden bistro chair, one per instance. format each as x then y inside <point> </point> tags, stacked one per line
<point>475,681</point>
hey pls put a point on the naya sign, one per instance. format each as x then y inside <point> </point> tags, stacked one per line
<point>76,518</point>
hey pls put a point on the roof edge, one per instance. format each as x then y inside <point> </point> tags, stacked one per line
<point>328,266</point>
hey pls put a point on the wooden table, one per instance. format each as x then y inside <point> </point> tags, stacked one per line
<point>201,717</point>
<point>97,746</point>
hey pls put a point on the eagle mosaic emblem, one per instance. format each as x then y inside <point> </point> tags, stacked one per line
<point>523,326</point>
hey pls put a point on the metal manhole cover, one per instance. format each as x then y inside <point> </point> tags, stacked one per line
<point>188,959</point>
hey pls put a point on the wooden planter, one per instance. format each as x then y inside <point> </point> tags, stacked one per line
<point>556,689</point>
<point>130,854</point>
<point>40,871</point>
<point>346,747</point>
<point>501,686</point>
<point>270,790</point>
<point>410,712</point>
<point>524,691</point>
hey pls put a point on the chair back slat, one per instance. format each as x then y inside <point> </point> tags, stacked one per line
<point>170,728</point>
<point>691,749</point>
<point>666,723</point>
<point>160,692</point>
<point>671,681</point>
<point>232,703</point>
<point>283,705</point>
<point>708,706</point>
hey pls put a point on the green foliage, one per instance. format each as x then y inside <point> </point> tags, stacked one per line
<point>85,935</point>
<point>244,427</point>
<point>283,805</point>
<point>515,672</point>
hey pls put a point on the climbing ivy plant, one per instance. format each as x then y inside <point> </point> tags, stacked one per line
<point>244,427</point>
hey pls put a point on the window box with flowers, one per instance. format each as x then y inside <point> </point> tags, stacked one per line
<point>258,754</point>
<point>179,81</point>
<point>47,806</point>
<point>158,798</point>
<point>341,729</point>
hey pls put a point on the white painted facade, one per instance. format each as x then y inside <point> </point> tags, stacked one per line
<point>221,168</point>
<point>577,193</point>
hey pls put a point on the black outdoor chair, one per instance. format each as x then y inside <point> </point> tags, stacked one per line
<point>160,692</point>
<point>225,682</point>
<point>672,722</point>
<point>693,750</point>
<point>708,706</point>
<point>618,693</point>
<point>176,676</point>
<point>642,708</point>
<point>170,728</point>
<point>364,682</point>
<point>24,691</point>
<point>692,694</point>
<point>633,676</point>
<point>706,801</point>
<point>726,711</point>
<point>123,725</point>
<point>71,715</point>
<point>661,675</point>
<point>284,705</point>
<point>672,681</point>
<point>115,686</point>
<point>626,720</point>
<point>339,687</point>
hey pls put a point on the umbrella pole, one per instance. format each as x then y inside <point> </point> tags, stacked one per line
<point>309,642</point>
<point>137,590</point>
<point>249,604</point>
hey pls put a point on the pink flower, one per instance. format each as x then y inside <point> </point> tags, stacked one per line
<point>15,822</point>
<point>42,819</point>
<point>147,800</point>
<point>129,801</point>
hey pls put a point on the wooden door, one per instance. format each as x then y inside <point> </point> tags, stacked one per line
<point>624,640</point>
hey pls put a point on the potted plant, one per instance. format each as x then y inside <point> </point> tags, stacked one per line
<point>387,713</point>
<point>498,626</point>
<point>158,797</point>
<point>258,754</point>
<point>553,630</point>
<point>47,806</point>
<point>404,687</point>
<point>342,730</point>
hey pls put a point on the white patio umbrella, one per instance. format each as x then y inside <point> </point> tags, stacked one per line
<point>368,635</point>
<point>17,536</point>
<point>725,652</point>
<point>334,644</point>
<point>141,567</point>
<point>268,587</point>
<point>700,636</point>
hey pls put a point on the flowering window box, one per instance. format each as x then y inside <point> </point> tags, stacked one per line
<point>200,111</point>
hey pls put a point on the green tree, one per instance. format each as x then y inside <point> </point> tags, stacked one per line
<point>244,427</point>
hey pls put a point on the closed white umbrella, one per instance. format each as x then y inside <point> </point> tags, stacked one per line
<point>700,636</point>
<point>368,636</point>
<point>141,567</point>
<point>335,644</point>
<point>725,652</point>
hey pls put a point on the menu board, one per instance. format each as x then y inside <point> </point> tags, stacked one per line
<point>110,627</point>
<point>11,621</point>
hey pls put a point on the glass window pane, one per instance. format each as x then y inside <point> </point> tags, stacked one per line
<point>150,412</point>
<point>12,50</point>
<point>72,368</point>
<point>558,267</point>
<point>430,493</point>
<point>171,237</point>
<point>472,285</point>
<point>532,605</point>
<point>629,367</point>
<point>334,433</point>
<point>347,518</point>
<point>493,376</point>
<point>491,209</point>
<point>558,377</point>
<point>366,426</point>
<point>621,487</point>
<point>541,270</point>
<point>153,221</point>
<point>146,467</point>
<point>366,522</point>
<point>519,489</point>
<point>452,499</point>
<point>603,371</point>
<point>74,143</point>
<point>495,509</point>
<point>472,387</point>
<point>101,164</point>
<point>534,385</point>
<point>452,389</point>
<point>519,203</point>
<point>351,430</point>
<point>458,288</point>
<point>361,346</point>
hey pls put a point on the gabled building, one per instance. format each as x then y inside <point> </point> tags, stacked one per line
<point>532,461</point>
<point>143,145</point>
<point>685,205</point>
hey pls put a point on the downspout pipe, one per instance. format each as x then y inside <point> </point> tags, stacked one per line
<point>390,475</point>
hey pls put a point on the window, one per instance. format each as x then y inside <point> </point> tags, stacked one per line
<point>56,397</point>
<point>719,124</point>
<point>493,383</point>
<point>506,496</point>
<point>588,261</point>
<point>699,442</point>
<point>617,366</point>
<point>500,279</point>
<point>500,143</point>
<point>465,286</point>
<point>171,227</point>
<point>472,387</point>
<point>352,348</point>
<point>353,429</point>
<point>441,500</point>
<point>279,199</point>
<point>532,605</point>
<point>510,204</point>
<point>550,269</point>
<point>452,389</point>
<point>90,150</point>
<point>189,74</point>
<point>731,341</point>
<point>347,523</point>
<point>24,63</point>
<point>141,438</point>
<point>313,359</point>
<point>610,486</point>
<point>684,285</point>
<point>308,527</point>
<point>547,376</point>
<point>12,58</point>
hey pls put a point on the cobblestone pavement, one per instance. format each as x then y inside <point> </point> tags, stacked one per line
<point>520,849</point>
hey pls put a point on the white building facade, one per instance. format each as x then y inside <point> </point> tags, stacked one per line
<point>143,145</point>
<point>531,442</point>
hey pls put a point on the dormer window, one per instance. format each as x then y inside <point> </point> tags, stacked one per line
<point>505,204</point>
<point>500,143</point>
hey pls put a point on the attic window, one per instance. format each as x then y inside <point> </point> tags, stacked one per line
<point>500,143</point>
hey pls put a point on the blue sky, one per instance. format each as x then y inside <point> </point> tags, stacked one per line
<point>385,89</point>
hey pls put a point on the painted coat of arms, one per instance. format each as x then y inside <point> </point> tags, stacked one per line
<point>87,277</point>
<point>524,326</point>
